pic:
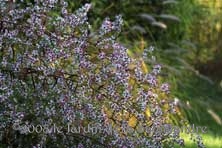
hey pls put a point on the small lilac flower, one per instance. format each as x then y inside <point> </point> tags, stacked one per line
<point>101,55</point>
<point>156,69</point>
<point>80,145</point>
<point>165,88</point>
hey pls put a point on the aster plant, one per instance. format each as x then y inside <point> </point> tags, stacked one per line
<point>55,73</point>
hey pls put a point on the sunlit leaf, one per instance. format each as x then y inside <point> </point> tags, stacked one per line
<point>132,121</point>
<point>144,67</point>
<point>147,112</point>
<point>160,24</point>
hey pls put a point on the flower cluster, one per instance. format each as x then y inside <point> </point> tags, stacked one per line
<point>53,71</point>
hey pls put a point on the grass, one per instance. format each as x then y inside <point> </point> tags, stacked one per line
<point>210,141</point>
<point>202,105</point>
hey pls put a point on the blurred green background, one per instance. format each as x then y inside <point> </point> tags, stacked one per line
<point>187,36</point>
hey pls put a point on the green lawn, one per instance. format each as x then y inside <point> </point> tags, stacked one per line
<point>209,140</point>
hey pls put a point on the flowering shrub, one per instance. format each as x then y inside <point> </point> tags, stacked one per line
<point>54,72</point>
